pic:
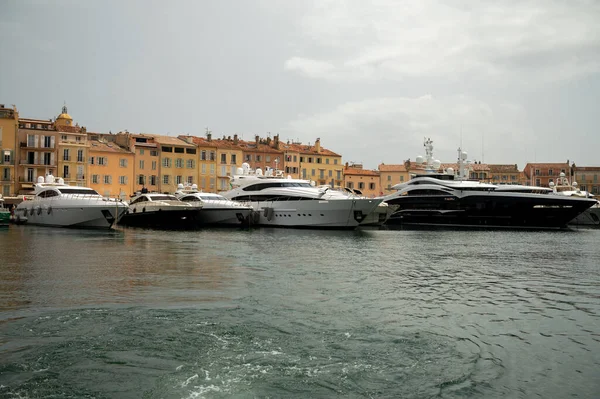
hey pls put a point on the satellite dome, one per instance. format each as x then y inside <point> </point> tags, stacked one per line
<point>574,184</point>
<point>61,180</point>
<point>194,186</point>
<point>40,179</point>
<point>259,172</point>
<point>239,171</point>
<point>463,155</point>
<point>436,164</point>
<point>551,184</point>
<point>450,171</point>
<point>562,174</point>
<point>420,159</point>
<point>180,186</point>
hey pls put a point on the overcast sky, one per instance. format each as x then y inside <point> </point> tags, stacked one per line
<point>515,81</point>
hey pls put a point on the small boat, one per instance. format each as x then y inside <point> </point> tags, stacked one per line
<point>61,205</point>
<point>164,211</point>
<point>216,209</point>
<point>4,213</point>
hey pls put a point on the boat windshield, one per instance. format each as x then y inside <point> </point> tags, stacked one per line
<point>86,191</point>
<point>163,198</point>
<point>213,197</point>
<point>262,186</point>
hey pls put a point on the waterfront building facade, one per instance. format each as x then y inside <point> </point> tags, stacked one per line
<point>178,164</point>
<point>390,175</point>
<point>111,171</point>
<point>315,163</point>
<point>228,158</point>
<point>542,174</point>
<point>367,181</point>
<point>37,152</point>
<point>9,125</point>
<point>262,153</point>
<point>72,150</point>
<point>207,161</point>
<point>587,178</point>
<point>504,174</point>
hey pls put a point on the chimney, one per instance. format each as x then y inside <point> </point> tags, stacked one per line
<point>257,139</point>
<point>235,139</point>
<point>209,136</point>
<point>276,141</point>
<point>318,145</point>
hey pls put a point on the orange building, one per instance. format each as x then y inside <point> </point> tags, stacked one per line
<point>504,174</point>
<point>390,175</point>
<point>542,174</point>
<point>72,150</point>
<point>229,158</point>
<point>367,181</point>
<point>262,153</point>
<point>37,152</point>
<point>146,166</point>
<point>110,168</point>
<point>314,163</point>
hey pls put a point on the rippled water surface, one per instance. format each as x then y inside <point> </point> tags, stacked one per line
<point>299,313</point>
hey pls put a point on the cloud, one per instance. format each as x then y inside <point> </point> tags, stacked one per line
<point>391,129</point>
<point>394,40</point>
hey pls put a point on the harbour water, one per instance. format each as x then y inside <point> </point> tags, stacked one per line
<point>299,313</point>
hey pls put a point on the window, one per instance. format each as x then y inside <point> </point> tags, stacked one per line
<point>190,179</point>
<point>321,174</point>
<point>66,171</point>
<point>389,178</point>
<point>123,163</point>
<point>313,172</point>
<point>154,163</point>
<point>248,157</point>
<point>213,156</point>
<point>190,164</point>
<point>141,151</point>
<point>301,159</point>
<point>63,137</point>
<point>165,179</point>
<point>203,156</point>
<point>350,184</point>
<point>401,178</point>
<point>537,172</point>
<point>318,160</point>
<point>166,162</point>
<point>371,186</point>
<point>153,180</point>
<point>335,161</point>
<point>107,179</point>
<point>178,179</point>
<point>166,149</point>
<point>47,158</point>
<point>234,159</point>
<point>78,139</point>
<point>212,168</point>
<point>267,158</point>
<point>91,160</point>
<point>7,157</point>
<point>223,170</point>
<point>95,179</point>
<point>79,155</point>
<point>141,180</point>
<point>504,177</point>
<point>537,182</point>
<point>179,163</point>
<point>153,153</point>
<point>102,161</point>
<point>331,173</point>
<point>190,150</point>
<point>203,169</point>
<point>549,172</point>
<point>6,174</point>
<point>338,174</point>
<point>47,141</point>
<point>66,155</point>
<point>223,158</point>
<point>212,183</point>
<point>327,161</point>
<point>309,159</point>
<point>122,180</point>
<point>361,185</point>
<point>179,150</point>
<point>513,177</point>
<point>258,158</point>
<point>30,140</point>
<point>141,164</point>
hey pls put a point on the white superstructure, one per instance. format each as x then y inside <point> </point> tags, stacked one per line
<point>216,209</point>
<point>58,204</point>
<point>288,202</point>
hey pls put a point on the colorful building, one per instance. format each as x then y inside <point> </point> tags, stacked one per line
<point>9,126</point>
<point>37,152</point>
<point>228,158</point>
<point>207,161</point>
<point>110,166</point>
<point>504,174</point>
<point>390,175</point>
<point>72,150</point>
<point>315,163</point>
<point>367,181</point>
<point>587,178</point>
<point>542,174</point>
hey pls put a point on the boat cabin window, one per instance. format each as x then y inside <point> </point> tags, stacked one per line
<point>138,200</point>
<point>262,186</point>
<point>213,197</point>
<point>48,193</point>
<point>190,198</point>
<point>163,198</point>
<point>427,192</point>
<point>87,191</point>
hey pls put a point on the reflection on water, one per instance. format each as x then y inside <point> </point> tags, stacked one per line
<point>299,313</point>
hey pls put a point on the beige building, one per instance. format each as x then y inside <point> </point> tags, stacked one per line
<point>229,158</point>
<point>313,162</point>
<point>9,126</point>
<point>587,178</point>
<point>207,162</point>
<point>37,152</point>
<point>390,175</point>
<point>542,174</point>
<point>504,174</point>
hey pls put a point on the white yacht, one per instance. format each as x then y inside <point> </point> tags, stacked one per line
<point>446,199</point>
<point>216,209</point>
<point>58,204</point>
<point>288,202</point>
<point>157,210</point>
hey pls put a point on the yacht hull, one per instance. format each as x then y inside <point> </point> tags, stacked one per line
<point>333,214</point>
<point>73,215</point>
<point>163,219</point>
<point>488,210</point>
<point>590,217</point>
<point>223,216</point>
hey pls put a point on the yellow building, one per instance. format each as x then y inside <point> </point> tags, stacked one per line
<point>37,152</point>
<point>110,168</point>
<point>9,125</point>
<point>505,174</point>
<point>315,163</point>
<point>262,153</point>
<point>229,158</point>
<point>367,181</point>
<point>586,177</point>
<point>207,162</point>
<point>72,150</point>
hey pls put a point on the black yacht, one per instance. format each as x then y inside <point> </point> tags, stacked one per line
<point>448,199</point>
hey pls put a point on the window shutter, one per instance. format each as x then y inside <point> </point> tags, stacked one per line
<point>52,141</point>
<point>52,158</point>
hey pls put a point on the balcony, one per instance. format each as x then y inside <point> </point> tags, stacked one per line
<point>67,158</point>
<point>5,179</point>
<point>25,145</point>
<point>23,179</point>
<point>80,177</point>
<point>33,164</point>
<point>81,159</point>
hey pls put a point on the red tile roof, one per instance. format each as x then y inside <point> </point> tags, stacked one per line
<point>391,168</point>
<point>102,146</point>
<point>360,172</point>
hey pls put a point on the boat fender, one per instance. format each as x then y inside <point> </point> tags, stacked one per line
<point>31,211</point>
<point>39,210</point>
<point>49,210</point>
<point>144,209</point>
